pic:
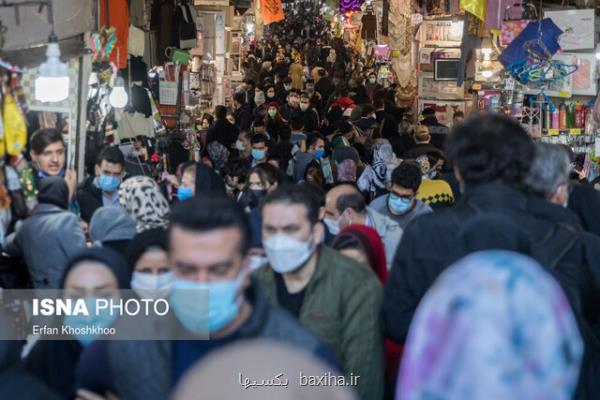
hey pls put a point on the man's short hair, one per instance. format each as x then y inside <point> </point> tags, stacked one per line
<point>297,123</point>
<point>549,170</point>
<point>458,114</point>
<point>490,148</point>
<point>221,112</point>
<point>239,97</point>
<point>407,175</point>
<point>42,138</point>
<point>205,213</point>
<point>237,167</point>
<point>313,138</point>
<point>294,194</point>
<point>111,154</point>
<point>355,201</point>
<point>259,138</point>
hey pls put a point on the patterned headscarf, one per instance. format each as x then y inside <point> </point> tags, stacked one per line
<point>346,171</point>
<point>142,199</point>
<point>495,325</point>
<point>375,176</point>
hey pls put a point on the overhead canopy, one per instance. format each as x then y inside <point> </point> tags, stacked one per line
<point>27,28</point>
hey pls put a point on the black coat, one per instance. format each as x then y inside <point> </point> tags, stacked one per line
<point>584,201</point>
<point>223,132</point>
<point>54,362</point>
<point>89,197</point>
<point>495,216</point>
<point>243,118</point>
<point>15,382</point>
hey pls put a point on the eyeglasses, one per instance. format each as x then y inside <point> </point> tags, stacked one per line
<point>402,196</point>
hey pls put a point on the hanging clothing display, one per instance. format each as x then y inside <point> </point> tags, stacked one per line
<point>162,23</point>
<point>369,27</point>
<point>118,16</point>
<point>185,25</point>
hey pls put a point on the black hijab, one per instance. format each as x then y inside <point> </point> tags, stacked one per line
<point>156,237</point>
<point>54,190</point>
<point>208,181</point>
<point>113,261</point>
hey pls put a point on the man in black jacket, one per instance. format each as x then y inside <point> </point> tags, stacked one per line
<point>102,189</point>
<point>243,112</point>
<point>492,156</point>
<point>223,131</point>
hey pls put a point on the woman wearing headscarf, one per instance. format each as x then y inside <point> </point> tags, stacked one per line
<point>274,123</point>
<point>374,178</point>
<point>147,254</point>
<point>49,237</point>
<point>199,178</point>
<point>364,245</point>
<point>112,227</point>
<point>141,197</point>
<point>55,362</point>
<point>494,326</point>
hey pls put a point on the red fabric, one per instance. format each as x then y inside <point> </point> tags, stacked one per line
<point>373,247</point>
<point>343,103</point>
<point>118,16</point>
<point>273,104</point>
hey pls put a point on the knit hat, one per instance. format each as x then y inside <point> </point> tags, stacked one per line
<point>111,223</point>
<point>273,104</point>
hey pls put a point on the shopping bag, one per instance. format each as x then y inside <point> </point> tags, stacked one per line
<point>511,27</point>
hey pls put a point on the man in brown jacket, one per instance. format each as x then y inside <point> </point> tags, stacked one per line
<point>335,297</point>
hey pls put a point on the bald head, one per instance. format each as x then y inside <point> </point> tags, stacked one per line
<point>331,209</point>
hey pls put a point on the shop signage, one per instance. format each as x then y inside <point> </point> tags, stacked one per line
<point>212,3</point>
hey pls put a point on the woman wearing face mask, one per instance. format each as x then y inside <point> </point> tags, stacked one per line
<point>152,275</point>
<point>261,181</point>
<point>274,123</point>
<point>91,274</point>
<point>270,94</point>
<point>243,145</point>
<point>198,178</point>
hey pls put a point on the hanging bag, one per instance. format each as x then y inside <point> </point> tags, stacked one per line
<point>187,27</point>
<point>511,28</point>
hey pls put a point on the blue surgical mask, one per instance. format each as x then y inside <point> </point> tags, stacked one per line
<point>223,303</point>
<point>109,184</point>
<point>399,205</point>
<point>258,155</point>
<point>184,193</point>
<point>98,319</point>
<point>320,153</point>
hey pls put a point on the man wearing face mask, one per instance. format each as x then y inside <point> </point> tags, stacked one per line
<point>401,203</point>
<point>207,243</point>
<point>243,112</point>
<point>309,115</point>
<point>334,296</point>
<point>283,89</point>
<point>345,205</point>
<point>102,189</point>
<point>260,148</point>
<point>292,107</point>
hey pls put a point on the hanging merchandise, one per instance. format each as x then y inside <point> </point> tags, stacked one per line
<point>539,39</point>
<point>186,26</point>
<point>272,11</point>
<point>118,18</point>
<point>511,26</point>
<point>15,129</point>
<point>102,44</point>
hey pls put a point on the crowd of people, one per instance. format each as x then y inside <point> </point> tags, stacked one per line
<point>415,260</point>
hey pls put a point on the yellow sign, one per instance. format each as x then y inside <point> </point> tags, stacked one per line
<point>553,132</point>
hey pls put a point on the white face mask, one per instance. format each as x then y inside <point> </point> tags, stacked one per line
<point>152,286</point>
<point>304,106</point>
<point>255,262</point>
<point>239,145</point>
<point>333,225</point>
<point>286,253</point>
